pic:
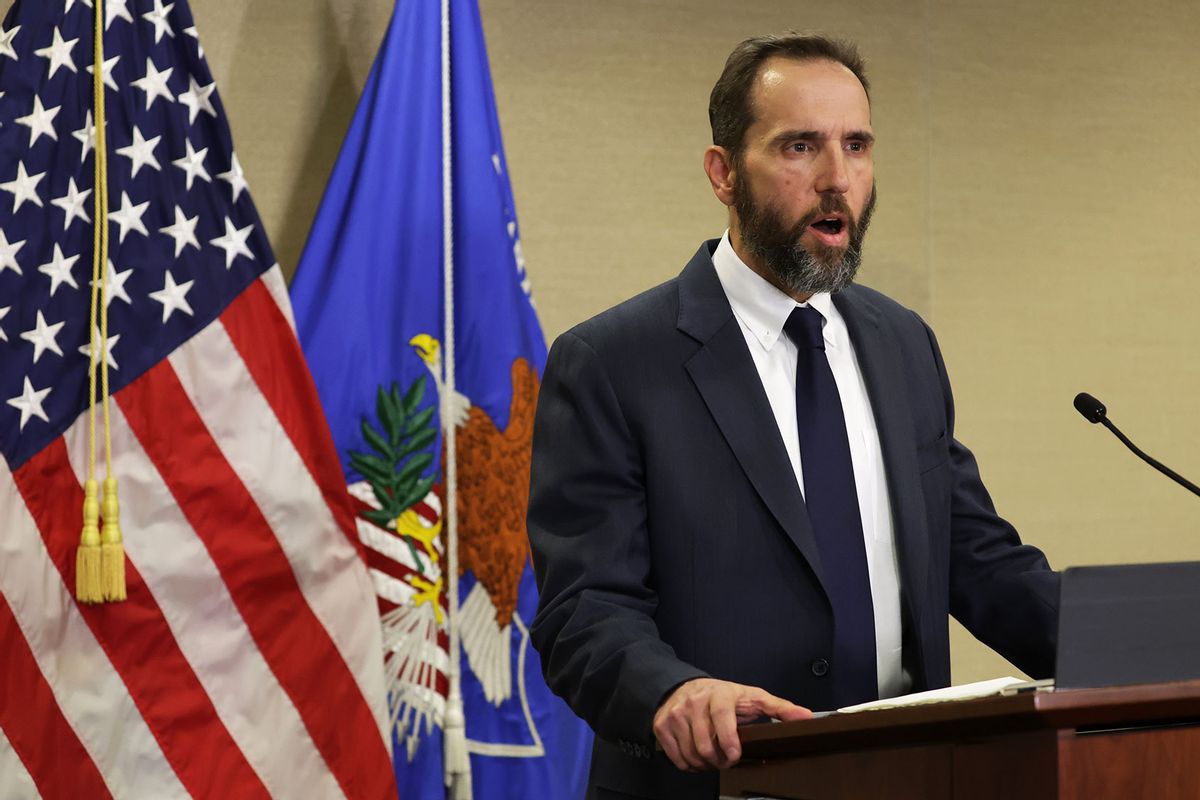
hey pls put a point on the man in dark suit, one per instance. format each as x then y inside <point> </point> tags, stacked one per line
<point>747,499</point>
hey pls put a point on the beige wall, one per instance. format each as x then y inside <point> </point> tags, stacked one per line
<point>1066,256</point>
<point>1039,202</point>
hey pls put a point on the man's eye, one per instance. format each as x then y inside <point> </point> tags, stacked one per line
<point>801,147</point>
<point>856,147</point>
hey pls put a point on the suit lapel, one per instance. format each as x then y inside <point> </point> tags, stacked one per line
<point>726,378</point>
<point>879,358</point>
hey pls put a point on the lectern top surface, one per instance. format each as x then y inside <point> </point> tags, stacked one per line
<point>1150,704</point>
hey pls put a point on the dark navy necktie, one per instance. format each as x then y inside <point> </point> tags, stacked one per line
<point>832,501</point>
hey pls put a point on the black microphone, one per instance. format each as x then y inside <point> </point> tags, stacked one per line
<point>1094,411</point>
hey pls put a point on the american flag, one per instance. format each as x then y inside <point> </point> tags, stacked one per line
<point>246,660</point>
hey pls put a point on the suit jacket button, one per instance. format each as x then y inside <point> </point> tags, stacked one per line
<point>820,668</point>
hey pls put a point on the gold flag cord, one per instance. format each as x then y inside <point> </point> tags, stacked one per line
<point>100,559</point>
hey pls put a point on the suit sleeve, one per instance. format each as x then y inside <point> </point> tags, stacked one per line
<point>1001,590</point>
<point>595,628</point>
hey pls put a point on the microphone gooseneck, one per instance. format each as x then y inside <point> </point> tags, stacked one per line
<point>1094,411</point>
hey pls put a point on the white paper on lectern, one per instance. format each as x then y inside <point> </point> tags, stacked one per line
<point>966,691</point>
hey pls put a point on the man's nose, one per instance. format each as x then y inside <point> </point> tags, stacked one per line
<point>831,174</point>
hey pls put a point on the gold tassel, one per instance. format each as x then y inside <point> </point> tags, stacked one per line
<point>100,559</point>
<point>88,582</point>
<point>111,545</point>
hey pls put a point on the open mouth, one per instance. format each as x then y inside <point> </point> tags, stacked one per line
<point>830,225</point>
<point>831,231</point>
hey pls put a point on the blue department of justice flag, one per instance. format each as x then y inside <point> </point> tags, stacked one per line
<point>368,298</point>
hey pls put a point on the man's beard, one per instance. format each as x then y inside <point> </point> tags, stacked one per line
<point>798,269</point>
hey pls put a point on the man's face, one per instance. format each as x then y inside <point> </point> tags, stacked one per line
<point>804,183</point>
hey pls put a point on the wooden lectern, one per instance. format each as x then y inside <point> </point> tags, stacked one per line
<point>1086,744</point>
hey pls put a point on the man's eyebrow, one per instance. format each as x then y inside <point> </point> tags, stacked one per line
<point>807,136</point>
<point>816,136</point>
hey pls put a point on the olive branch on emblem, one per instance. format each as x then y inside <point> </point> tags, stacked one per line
<point>397,468</point>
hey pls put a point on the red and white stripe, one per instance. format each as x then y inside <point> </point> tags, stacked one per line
<point>247,660</point>
<point>416,659</point>
<point>15,781</point>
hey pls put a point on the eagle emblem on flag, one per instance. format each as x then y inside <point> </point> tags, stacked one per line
<point>401,522</point>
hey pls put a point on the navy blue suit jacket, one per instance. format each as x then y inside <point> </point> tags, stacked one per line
<point>670,540</point>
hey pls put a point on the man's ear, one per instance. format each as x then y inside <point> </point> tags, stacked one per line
<point>718,165</point>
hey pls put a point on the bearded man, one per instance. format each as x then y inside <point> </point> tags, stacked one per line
<point>747,498</point>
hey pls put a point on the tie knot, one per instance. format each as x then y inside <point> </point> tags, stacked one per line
<point>803,327</point>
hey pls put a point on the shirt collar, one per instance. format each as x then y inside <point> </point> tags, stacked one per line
<point>760,306</point>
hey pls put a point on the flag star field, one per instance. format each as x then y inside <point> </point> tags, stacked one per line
<point>184,236</point>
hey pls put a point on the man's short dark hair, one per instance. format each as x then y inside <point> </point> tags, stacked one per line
<point>731,104</point>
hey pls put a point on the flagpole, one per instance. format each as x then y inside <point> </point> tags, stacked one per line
<point>457,761</point>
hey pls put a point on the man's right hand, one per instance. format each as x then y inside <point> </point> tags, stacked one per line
<point>697,724</point>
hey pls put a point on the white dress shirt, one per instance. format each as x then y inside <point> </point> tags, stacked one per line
<point>761,310</point>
